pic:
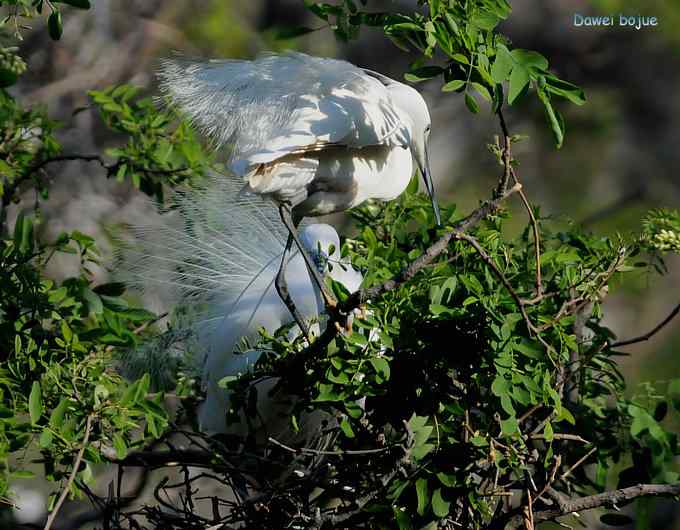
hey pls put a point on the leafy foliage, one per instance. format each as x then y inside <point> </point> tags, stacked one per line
<point>59,385</point>
<point>488,373</point>
<point>466,398</point>
<point>478,61</point>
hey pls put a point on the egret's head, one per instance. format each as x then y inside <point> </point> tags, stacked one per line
<point>322,243</point>
<point>413,107</point>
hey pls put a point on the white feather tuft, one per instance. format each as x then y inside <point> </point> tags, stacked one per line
<point>279,103</point>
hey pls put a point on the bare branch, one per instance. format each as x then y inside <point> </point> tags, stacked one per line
<point>608,499</point>
<point>305,450</point>
<point>650,334</point>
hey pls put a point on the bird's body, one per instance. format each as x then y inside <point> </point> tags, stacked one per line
<point>334,180</point>
<point>315,135</point>
<point>260,307</point>
<point>298,126</point>
<point>215,257</point>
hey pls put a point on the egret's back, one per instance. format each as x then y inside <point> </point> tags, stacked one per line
<point>276,105</point>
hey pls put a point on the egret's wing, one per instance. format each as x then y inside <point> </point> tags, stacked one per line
<point>280,104</point>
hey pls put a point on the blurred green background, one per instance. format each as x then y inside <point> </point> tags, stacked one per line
<point>620,156</point>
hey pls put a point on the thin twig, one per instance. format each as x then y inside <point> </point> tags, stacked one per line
<point>487,259</point>
<point>308,451</point>
<point>578,463</point>
<point>560,436</point>
<point>72,476</point>
<point>650,334</point>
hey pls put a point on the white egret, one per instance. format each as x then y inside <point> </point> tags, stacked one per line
<point>315,135</point>
<point>215,258</point>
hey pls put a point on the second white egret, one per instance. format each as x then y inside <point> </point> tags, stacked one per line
<point>214,259</point>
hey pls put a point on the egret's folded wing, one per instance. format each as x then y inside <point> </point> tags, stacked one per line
<point>281,104</point>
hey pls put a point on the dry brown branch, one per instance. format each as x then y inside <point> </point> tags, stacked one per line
<point>578,463</point>
<point>608,499</point>
<point>649,334</point>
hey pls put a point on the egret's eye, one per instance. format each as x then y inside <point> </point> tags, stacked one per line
<point>320,260</point>
<point>428,129</point>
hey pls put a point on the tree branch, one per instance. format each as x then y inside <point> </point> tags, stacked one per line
<point>609,499</point>
<point>359,297</point>
<point>72,476</point>
<point>650,334</point>
<point>362,295</point>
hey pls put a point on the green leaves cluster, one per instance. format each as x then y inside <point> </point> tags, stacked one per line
<point>33,8</point>
<point>56,367</point>
<point>465,396</point>
<point>473,60</point>
<point>159,150</point>
<point>58,340</point>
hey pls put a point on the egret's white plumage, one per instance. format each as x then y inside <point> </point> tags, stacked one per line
<point>321,135</point>
<point>215,257</point>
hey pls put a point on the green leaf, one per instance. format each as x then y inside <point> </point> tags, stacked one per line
<point>485,20</point>
<point>136,391</point>
<point>502,65</point>
<point>422,495</point>
<point>554,118</point>
<point>22,474</point>
<point>94,303</point>
<point>509,426</point>
<point>548,432</point>
<point>565,415</point>
<point>423,74</point>
<point>482,90</point>
<point>57,416</point>
<point>120,446</point>
<point>448,480</point>
<point>530,349</point>
<point>529,59</point>
<point>45,440</point>
<point>451,86</point>
<point>54,25</point>
<point>440,507</point>
<point>381,366</point>
<point>23,234</point>
<point>564,89</point>
<point>471,103</point>
<point>346,428</point>
<point>35,405</point>
<point>519,79</point>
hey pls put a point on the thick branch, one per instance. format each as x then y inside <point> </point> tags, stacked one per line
<point>608,499</point>
<point>361,296</point>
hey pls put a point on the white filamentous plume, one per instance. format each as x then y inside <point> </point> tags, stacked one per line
<point>214,258</point>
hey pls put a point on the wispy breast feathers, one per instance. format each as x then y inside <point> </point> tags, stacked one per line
<point>279,104</point>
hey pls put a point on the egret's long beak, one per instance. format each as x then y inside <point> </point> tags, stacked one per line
<point>427,178</point>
